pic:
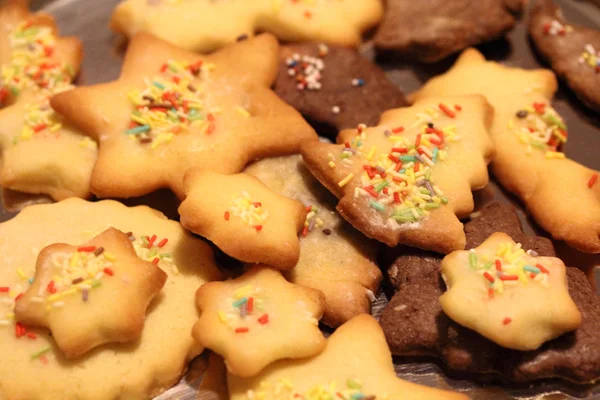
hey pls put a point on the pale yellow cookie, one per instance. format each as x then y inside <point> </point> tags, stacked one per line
<point>356,361</point>
<point>507,295</point>
<point>40,154</point>
<point>334,257</point>
<point>257,319</point>
<point>172,110</point>
<point>206,25</point>
<point>409,179</point>
<point>243,218</point>
<point>135,370</point>
<point>91,294</point>
<point>562,195</point>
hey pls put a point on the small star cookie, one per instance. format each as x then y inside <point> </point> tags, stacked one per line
<point>243,218</point>
<point>334,257</point>
<point>257,319</point>
<point>528,135</point>
<point>40,153</point>
<point>429,31</point>
<point>572,51</point>
<point>510,297</point>
<point>407,179</point>
<point>356,363</point>
<point>206,25</point>
<point>91,294</point>
<point>172,110</point>
<point>138,369</point>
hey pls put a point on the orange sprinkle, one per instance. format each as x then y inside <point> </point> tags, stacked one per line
<point>263,319</point>
<point>447,110</point>
<point>592,180</point>
<point>86,249</point>
<point>226,216</point>
<point>108,271</point>
<point>398,129</point>
<point>457,107</point>
<point>542,268</point>
<point>241,330</point>
<point>258,228</point>
<point>491,293</point>
<point>506,321</point>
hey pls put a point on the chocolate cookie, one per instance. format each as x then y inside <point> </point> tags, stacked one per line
<point>335,86</point>
<point>414,323</point>
<point>572,51</point>
<point>428,31</point>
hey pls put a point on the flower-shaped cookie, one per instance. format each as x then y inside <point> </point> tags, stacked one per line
<point>507,295</point>
<point>91,294</point>
<point>242,217</point>
<point>259,318</point>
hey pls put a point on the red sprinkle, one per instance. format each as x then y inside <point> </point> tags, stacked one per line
<point>108,271</point>
<point>401,150</point>
<point>257,204</point>
<point>491,293</point>
<point>51,288</point>
<point>393,158</point>
<point>498,265</point>
<point>258,228</point>
<point>509,278</point>
<point>86,249</point>
<point>540,108</point>
<point>592,180</point>
<point>371,190</point>
<point>263,319</point>
<point>226,215</point>
<point>151,241</point>
<point>396,198</point>
<point>447,110</point>
<point>241,330</point>
<point>19,297</point>
<point>542,268</point>
<point>347,144</point>
<point>155,261</point>
<point>398,129</point>
<point>31,335</point>
<point>506,321</point>
<point>457,107</point>
<point>39,128</point>
<point>488,276</point>
<point>20,330</point>
<point>418,140</point>
<point>305,230</point>
<point>163,68</point>
<point>547,28</point>
<point>250,305</point>
<point>4,289</point>
<point>210,129</point>
<point>162,242</point>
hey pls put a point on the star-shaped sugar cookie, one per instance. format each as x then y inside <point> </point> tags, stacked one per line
<point>91,294</point>
<point>40,153</point>
<point>243,218</point>
<point>572,51</point>
<point>334,257</point>
<point>206,25</point>
<point>528,135</point>
<point>134,369</point>
<point>510,297</point>
<point>408,179</point>
<point>257,319</point>
<point>172,110</point>
<point>430,30</point>
<point>356,363</point>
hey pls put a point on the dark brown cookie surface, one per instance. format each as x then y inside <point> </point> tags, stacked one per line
<point>415,324</point>
<point>335,86</point>
<point>572,51</point>
<point>430,30</point>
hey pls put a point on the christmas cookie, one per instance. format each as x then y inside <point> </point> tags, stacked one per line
<point>529,135</point>
<point>335,86</point>
<point>243,218</point>
<point>356,364</point>
<point>430,30</point>
<point>334,257</point>
<point>41,154</point>
<point>90,294</point>
<point>172,110</point>
<point>415,324</point>
<point>206,25</point>
<point>510,297</point>
<point>257,319</point>
<point>409,179</point>
<point>572,51</point>
<point>139,369</point>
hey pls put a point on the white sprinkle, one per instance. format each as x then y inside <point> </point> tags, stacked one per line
<point>335,109</point>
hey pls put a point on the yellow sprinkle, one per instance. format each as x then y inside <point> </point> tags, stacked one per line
<point>109,256</point>
<point>242,111</point>
<point>511,124</point>
<point>10,315</point>
<point>331,164</point>
<point>242,292</point>
<point>223,317</point>
<point>345,181</point>
<point>371,154</point>
<point>554,155</point>
<point>21,273</point>
<point>55,128</point>
<point>74,259</point>
<point>175,270</point>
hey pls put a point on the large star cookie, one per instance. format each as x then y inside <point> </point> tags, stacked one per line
<point>206,25</point>
<point>572,51</point>
<point>528,135</point>
<point>431,30</point>
<point>356,363</point>
<point>257,319</point>
<point>40,154</point>
<point>243,218</point>
<point>334,85</point>
<point>90,294</point>
<point>407,179</point>
<point>135,369</point>
<point>334,257</point>
<point>510,297</point>
<point>172,110</point>
<point>415,324</point>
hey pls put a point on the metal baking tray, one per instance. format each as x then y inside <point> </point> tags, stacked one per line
<point>88,19</point>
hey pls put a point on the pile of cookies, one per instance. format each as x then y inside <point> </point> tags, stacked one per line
<point>103,301</point>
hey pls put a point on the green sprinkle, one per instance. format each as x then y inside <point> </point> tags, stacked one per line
<point>380,186</point>
<point>70,70</point>
<point>40,352</point>
<point>377,206</point>
<point>553,120</point>
<point>538,144</point>
<point>428,174</point>
<point>240,302</point>
<point>159,85</point>
<point>352,384</point>
<point>431,206</point>
<point>488,265</point>
<point>407,158</point>
<point>424,191</point>
<point>473,260</point>
<point>153,252</point>
<point>14,90</point>
<point>96,284</point>
<point>404,218</point>
<point>531,268</point>
<point>163,255</point>
<point>137,129</point>
<point>444,200</point>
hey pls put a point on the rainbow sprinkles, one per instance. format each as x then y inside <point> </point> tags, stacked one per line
<point>352,389</point>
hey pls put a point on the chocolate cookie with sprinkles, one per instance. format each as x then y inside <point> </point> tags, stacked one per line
<point>572,51</point>
<point>335,86</point>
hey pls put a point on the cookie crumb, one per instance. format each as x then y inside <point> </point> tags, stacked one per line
<point>327,231</point>
<point>335,109</point>
<point>401,307</point>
